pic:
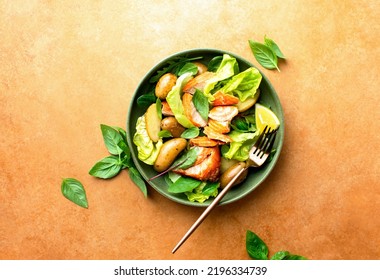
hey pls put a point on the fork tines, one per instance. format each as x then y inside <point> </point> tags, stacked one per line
<point>265,142</point>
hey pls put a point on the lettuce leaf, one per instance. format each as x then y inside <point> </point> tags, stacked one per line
<point>203,192</point>
<point>227,69</point>
<point>244,85</point>
<point>175,102</point>
<point>146,149</point>
<point>240,145</point>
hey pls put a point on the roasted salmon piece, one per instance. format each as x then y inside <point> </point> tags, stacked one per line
<point>204,141</point>
<point>166,111</point>
<point>222,99</point>
<point>191,112</point>
<point>223,113</point>
<point>198,82</point>
<point>221,127</point>
<point>212,134</point>
<point>206,167</point>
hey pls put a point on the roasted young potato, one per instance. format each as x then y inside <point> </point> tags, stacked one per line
<point>164,85</point>
<point>173,126</point>
<point>169,151</point>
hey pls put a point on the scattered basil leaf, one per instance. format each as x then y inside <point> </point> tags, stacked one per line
<point>264,55</point>
<point>146,99</point>
<point>210,188</point>
<point>188,67</point>
<point>190,133</point>
<point>74,191</point>
<point>201,104</point>
<point>255,247</point>
<point>138,180</point>
<point>214,63</point>
<point>285,255</point>
<point>273,46</point>
<point>184,184</point>
<point>173,66</point>
<point>164,134</point>
<point>111,138</point>
<point>106,168</point>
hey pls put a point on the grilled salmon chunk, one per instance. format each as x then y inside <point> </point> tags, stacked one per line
<point>206,167</point>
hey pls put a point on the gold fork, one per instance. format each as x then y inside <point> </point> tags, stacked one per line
<point>258,154</point>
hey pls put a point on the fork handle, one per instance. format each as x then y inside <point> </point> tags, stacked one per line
<point>208,210</point>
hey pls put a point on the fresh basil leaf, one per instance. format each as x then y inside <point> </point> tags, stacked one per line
<point>201,104</point>
<point>214,63</point>
<point>106,168</point>
<point>74,191</point>
<point>184,184</point>
<point>285,255</point>
<point>210,188</point>
<point>111,139</point>
<point>187,159</point>
<point>138,180</point>
<point>159,108</point>
<point>122,132</point>
<point>190,133</point>
<point>164,134</point>
<point>188,67</point>
<point>124,147</point>
<point>146,99</point>
<point>256,248</point>
<point>273,46</point>
<point>264,55</point>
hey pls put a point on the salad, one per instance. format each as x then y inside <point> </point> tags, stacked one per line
<point>200,123</point>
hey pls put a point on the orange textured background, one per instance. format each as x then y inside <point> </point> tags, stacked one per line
<point>68,66</point>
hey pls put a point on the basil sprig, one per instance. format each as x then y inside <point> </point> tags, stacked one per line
<point>258,250</point>
<point>110,166</point>
<point>266,54</point>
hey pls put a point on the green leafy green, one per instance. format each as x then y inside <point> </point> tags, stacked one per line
<point>147,151</point>
<point>164,134</point>
<point>273,46</point>
<point>189,67</point>
<point>74,191</point>
<point>159,108</point>
<point>146,99</point>
<point>175,102</point>
<point>106,168</point>
<point>137,179</point>
<point>256,248</point>
<point>214,63</point>
<point>285,255</point>
<point>111,138</point>
<point>203,192</point>
<point>120,158</point>
<point>240,145</point>
<point>173,66</point>
<point>187,159</point>
<point>201,104</point>
<point>264,55</point>
<point>184,184</point>
<point>227,68</point>
<point>244,85</point>
<point>190,133</point>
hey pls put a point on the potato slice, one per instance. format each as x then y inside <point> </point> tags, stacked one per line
<point>153,122</point>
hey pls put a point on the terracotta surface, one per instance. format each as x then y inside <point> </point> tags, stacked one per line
<point>68,66</point>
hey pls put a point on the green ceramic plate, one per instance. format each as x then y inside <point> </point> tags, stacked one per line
<point>256,175</point>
